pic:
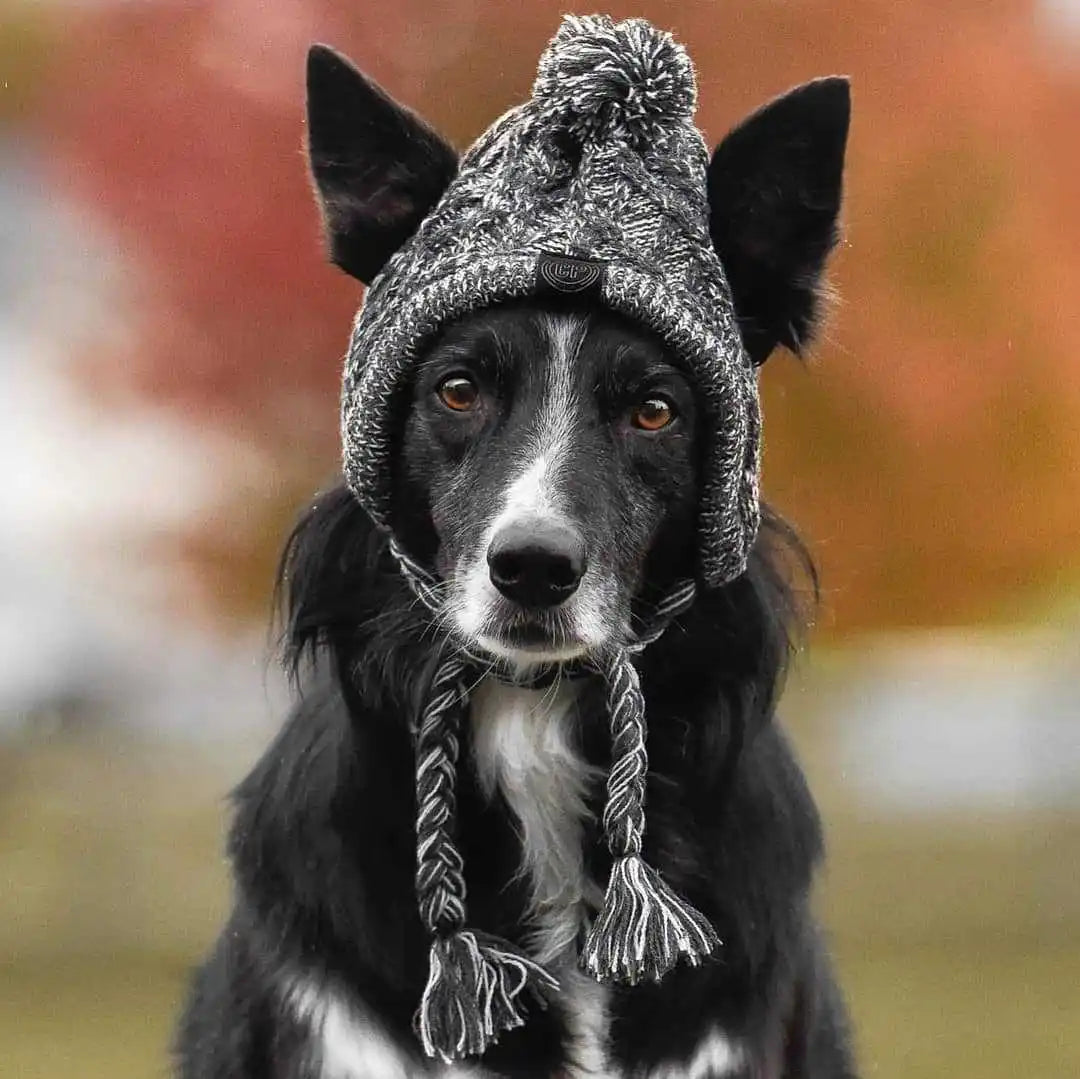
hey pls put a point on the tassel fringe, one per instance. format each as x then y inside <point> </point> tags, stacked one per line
<point>644,928</point>
<point>474,993</point>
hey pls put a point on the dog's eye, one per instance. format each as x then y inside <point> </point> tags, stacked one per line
<point>459,393</point>
<point>653,414</point>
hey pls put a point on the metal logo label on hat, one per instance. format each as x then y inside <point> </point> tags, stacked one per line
<point>569,275</point>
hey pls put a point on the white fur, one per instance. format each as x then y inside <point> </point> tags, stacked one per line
<point>716,1056</point>
<point>524,741</point>
<point>525,745</point>
<point>556,426</point>
<point>585,1012</point>
<point>348,1043</point>
<point>534,493</point>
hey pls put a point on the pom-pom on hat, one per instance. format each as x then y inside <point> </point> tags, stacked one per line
<point>600,79</point>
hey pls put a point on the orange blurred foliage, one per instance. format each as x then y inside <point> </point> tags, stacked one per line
<point>932,453</point>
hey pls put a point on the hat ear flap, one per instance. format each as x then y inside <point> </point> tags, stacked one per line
<point>775,185</point>
<point>378,168</point>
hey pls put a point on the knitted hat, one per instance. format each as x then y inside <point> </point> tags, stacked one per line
<point>595,186</point>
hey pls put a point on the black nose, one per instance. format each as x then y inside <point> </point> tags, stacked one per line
<point>536,563</point>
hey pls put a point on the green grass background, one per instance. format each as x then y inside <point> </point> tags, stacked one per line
<point>957,937</point>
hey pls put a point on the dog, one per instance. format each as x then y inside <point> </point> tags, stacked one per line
<point>548,467</point>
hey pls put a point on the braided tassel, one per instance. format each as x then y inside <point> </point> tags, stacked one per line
<point>644,927</point>
<point>476,983</point>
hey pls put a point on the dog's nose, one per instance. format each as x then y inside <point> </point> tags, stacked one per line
<point>536,563</point>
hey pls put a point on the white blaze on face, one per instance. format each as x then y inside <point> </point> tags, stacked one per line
<point>534,492</point>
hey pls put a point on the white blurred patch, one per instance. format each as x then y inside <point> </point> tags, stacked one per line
<point>972,721</point>
<point>90,492</point>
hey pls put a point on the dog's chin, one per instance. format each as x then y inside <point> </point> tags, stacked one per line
<point>524,655</point>
<point>527,640</point>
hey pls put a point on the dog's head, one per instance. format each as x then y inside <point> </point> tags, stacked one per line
<point>555,450</point>
<point>547,454</point>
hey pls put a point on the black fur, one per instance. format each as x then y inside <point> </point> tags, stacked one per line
<point>378,168</point>
<point>775,185</point>
<point>323,843</point>
<point>323,848</point>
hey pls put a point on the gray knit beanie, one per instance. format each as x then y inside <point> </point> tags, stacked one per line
<point>596,186</point>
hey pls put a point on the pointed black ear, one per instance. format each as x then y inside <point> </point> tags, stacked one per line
<point>774,196</point>
<point>378,168</point>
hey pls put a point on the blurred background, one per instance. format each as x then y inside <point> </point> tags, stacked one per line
<point>170,342</point>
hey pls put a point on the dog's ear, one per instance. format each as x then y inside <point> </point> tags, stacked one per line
<point>378,168</point>
<point>774,196</point>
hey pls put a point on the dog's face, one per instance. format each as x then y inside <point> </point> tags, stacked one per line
<point>556,452</point>
<point>551,455</point>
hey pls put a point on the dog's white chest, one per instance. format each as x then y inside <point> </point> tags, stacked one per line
<point>525,746</point>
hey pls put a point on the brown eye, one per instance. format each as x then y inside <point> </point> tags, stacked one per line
<point>459,393</point>
<point>653,414</point>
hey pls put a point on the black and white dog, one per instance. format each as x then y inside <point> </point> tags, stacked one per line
<point>548,468</point>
